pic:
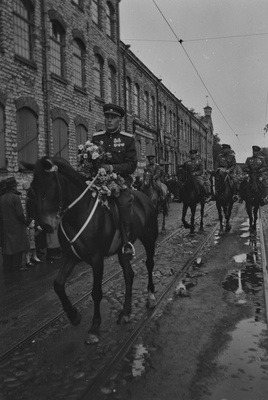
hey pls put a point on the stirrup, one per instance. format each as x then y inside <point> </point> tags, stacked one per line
<point>132,248</point>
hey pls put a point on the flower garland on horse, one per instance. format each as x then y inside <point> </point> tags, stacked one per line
<point>91,157</point>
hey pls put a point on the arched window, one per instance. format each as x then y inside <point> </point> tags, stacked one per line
<point>57,45</point>
<point>27,135</point>
<point>80,134</point>
<point>136,99</point>
<point>95,11</point>
<point>60,138</point>
<point>98,76</point>
<point>146,105</point>
<point>165,117</point>
<point>2,138</point>
<point>23,17</point>
<point>112,85</point>
<point>110,14</point>
<point>128,93</point>
<point>79,63</point>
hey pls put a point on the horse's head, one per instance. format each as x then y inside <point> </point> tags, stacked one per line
<point>52,185</point>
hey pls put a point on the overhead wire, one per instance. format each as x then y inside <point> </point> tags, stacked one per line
<point>189,58</point>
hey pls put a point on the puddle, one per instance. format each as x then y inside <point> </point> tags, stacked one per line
<point>244,235</point>
<point>240,258</point>
<point>138,364</point>
<point>244,365</point>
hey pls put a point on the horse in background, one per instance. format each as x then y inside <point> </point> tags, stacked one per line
<point>90,231</point>
<point>191,193</point>
<point>252,192</point>
<point>161,204</point>
<point>224,198</point>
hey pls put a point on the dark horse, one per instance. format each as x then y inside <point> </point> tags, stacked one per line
<point>224,199</point>
<point>191,194</point>
<point>160,205</point>
<point>89,231</point>
<point>251,192</point>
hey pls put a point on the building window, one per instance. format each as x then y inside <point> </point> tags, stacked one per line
<point>2,138</point>
<point>128,94</point>
<point>81,135</point>
<point>112,85</point>
<point>146,106</point>
<point>170,124</point>
<point>165,117</point>
<point>57,44</point>
<point>110,20</point>
<point>27,135</point>
<point>160,114</point>
<point>95,11</point>
<point>60,138</point>
<point>23,14</point>
<point>79,63</point>
<point>152,110</point>
<point>79,3</point>
<point>98,76</point>
<point>136,99</point>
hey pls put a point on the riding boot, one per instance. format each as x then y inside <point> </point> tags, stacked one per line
<point>128,248</point>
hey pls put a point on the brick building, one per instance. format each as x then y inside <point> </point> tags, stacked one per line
<point>60,61</point>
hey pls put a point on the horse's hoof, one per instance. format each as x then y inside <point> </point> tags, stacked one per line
<point>228,228</point>
<point>122,318</point>
<point>92,339</point>
<point>74,317</point>
<point>151,303</point>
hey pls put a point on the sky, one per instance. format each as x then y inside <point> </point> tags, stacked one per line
<point>222,61</point>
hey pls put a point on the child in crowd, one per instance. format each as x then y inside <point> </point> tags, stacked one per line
<point>31,233</point>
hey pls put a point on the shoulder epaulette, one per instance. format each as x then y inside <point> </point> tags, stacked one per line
<point>98,133</point>
<point>126,134</point>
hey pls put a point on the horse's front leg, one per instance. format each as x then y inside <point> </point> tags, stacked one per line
<point>227,212</point>
<point>97,263</point>
<point>193,210</point>
<point>184,211</point>
<point>201,228</point>
<point>220,216</point>
<point>69,262</point>
<point>128,276</point>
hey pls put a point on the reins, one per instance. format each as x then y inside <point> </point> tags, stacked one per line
<point>61,213</point>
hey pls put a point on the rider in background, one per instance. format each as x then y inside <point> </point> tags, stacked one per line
<point>226,162</point>
<point>195,167</point>
<point>157,174</point>
<point>257,163</point>
<point>123,161</point>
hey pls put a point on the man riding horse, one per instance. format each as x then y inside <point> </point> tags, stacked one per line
<point>157,174</point>
<point>123,161</point>
<point>257,164</point>
<point>195,167</point>
<point>226,162</point>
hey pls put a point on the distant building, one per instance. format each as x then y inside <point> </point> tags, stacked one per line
<point>60,61</point>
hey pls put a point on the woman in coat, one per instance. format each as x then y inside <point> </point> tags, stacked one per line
<point>15,241</point>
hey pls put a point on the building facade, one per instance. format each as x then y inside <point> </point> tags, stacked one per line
<point>60,62</point>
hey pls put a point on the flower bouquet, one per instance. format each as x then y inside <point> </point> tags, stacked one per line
<point>90,159</point>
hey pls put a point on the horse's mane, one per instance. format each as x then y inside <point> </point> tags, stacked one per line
<point>64,168</point>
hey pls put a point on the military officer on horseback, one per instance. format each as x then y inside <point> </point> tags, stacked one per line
<point>195,167</point>
<point>157,174</point>
<point>257,163</point>
<point>226,162</point>
<point>123,161</point>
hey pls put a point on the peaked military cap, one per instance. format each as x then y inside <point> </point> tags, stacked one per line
<point>193,151</point>
<point>113,109</point>
<point>226,146</point>
<point>256,148</point>
<point>150,155</point>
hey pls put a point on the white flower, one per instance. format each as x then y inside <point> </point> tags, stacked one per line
<point>81,147</point>
<point>88,143</point>
<point>95,155</point>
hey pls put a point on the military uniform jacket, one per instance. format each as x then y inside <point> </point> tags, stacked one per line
<point>194,166</point>
<point>121,146</point>
<point>256,164</point>
<point>226,161</point>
